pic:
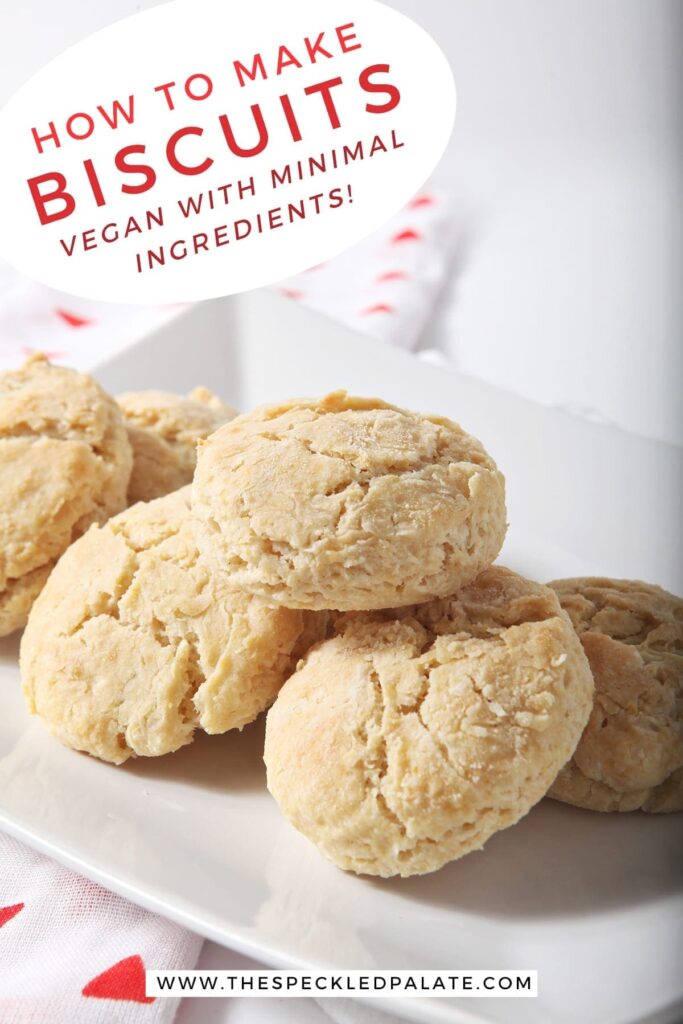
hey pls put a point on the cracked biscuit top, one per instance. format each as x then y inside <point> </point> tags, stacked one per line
<point>631,752</point>
<point>65,461</point>
<point>347,503</point>
<point>412,736</point>
<point>133,644</point>
<point>163,429</point>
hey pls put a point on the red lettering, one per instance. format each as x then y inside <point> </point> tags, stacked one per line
<point>292,122</point>
<point>89,126</point>
<point>390,90</point>
<point>316,48</point>
<point>59,192</point>
<point>286,59</point>
<point>208,87</point>
<point>51,136</point>
<point>241,233</point>
<point>178,250</point>
<point>148,172</point>
<point>166,89</point>
<point>230,137</point>
<point>68,249</point>
<point>94,182</point>
<point>345,37</point>
<point>324,89</point>
<point>275,218</point>
<point>116,110</point>
<point>173,159</point>
<point>257,67</point>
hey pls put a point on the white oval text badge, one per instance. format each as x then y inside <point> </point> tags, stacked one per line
<point>191,151</point>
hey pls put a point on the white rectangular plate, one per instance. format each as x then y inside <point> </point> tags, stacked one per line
<point>595,903</point>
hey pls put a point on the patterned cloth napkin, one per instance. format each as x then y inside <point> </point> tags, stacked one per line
<point>69,950</point>
<point>385,286</point>
<point>73,953</point>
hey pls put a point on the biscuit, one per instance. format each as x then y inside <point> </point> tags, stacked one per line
<point>412,736</point>
<point>163,430</point>
<point>631,753</point>
<point>132,645</point>
<point>347,503</point>
<point>65,461</point>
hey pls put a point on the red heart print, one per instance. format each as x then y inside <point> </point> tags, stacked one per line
<point>124,980</point>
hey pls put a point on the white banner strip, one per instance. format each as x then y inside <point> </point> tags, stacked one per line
<point>342,984</point>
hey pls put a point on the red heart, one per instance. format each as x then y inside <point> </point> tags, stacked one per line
<point>125,980</point>
<point>392,275</point>
<point>409,235</point>
<point>380,307</point>
<point>7,913</point>
<point>73,319</point>
<point>421,201</point>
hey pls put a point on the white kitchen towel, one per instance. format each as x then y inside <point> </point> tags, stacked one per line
<point>73,953</point>
<point>385,286</point>
<point>70,951</point>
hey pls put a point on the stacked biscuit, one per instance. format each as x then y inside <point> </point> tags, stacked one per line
<point>332,558</point>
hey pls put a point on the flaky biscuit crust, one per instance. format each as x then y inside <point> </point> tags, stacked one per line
<point>163,429</point>
<point>347,503</point>
<point>65,461</point>
<point>412,736</point>
<point>631,753</point>
<point>132,644</point>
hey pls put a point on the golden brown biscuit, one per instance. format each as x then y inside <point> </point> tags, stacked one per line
<point>631,752</point>
<point>347,503</point>
<point>414,735</point>
<point>163,429</point>
<point>132,644</point>
<point>65,461</point>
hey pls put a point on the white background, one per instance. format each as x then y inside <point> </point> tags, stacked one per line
<point>566,164</point>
